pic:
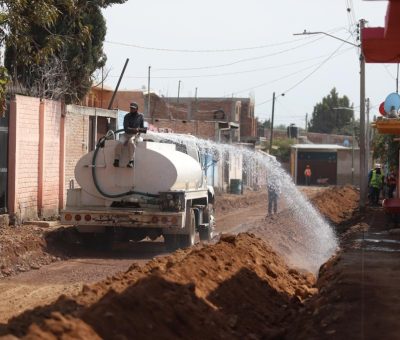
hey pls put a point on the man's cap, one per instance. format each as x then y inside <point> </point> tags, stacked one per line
<point>134,105</point>
<point>308,166</point>
<point>377,166</point>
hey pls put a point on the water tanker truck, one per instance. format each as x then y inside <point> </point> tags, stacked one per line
<point>164,194</point>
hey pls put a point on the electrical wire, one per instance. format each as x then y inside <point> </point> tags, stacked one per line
<point>230,73</point>
<point>286,76</point>
<point>307,76</point>
<point>209,50</point>
<point>388,72</point>
<point>241,60</point>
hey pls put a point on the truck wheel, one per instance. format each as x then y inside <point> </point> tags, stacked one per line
<point>187,240</point>
<point>171,242</point>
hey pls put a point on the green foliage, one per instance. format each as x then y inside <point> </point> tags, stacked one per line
<point>386,149</point>
<point>327,117</point>
<point>4,78</point>
<point>63,37</point>
<point>281,149</point>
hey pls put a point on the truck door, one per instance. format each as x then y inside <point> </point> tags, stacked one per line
<point>3,159</point>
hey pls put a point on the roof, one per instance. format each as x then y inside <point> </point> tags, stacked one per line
<point>382,44</point>
<point>387,125</point>
<point>332,147</point>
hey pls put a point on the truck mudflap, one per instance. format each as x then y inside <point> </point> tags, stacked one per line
<point>128,219</point>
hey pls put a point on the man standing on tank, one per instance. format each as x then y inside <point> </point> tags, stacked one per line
<point>133,121</point>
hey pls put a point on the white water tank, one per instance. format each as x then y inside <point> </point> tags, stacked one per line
<point>158,168</point>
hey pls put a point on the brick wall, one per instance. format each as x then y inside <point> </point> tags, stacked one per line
<point>77,135</point>
<point>76,144</point>
<point>122,100</point>
<point>205,130</point>
<point>27,156</point>
<point>51,157</point>
<point>35,167</point>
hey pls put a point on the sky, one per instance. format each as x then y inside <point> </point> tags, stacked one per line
<point>239,48</point>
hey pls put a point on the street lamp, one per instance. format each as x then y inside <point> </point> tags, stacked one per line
<point>271,137</point>
<point>363,172</point>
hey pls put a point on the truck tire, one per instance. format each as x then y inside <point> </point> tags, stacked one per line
<point>188,240</point>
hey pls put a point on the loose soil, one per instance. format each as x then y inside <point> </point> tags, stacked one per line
<point>242,287</point>
<point>216,290</point>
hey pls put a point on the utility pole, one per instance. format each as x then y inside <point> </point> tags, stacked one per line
<point>195,100</point>
<point>363,171</point>
<point>119,82</point>
<point>179,89</point>
<point>306,128</point>
<point>367,136</point>
<point>272,123</point>
<point>148,94</point>
<point>352,149</point>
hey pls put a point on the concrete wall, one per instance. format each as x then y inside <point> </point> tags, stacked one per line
<point>344,161</point>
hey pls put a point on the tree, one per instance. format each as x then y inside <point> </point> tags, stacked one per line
<point>386,149</point>
<point>281,149</point>
<point>328,117</point>
<point>69,33</point>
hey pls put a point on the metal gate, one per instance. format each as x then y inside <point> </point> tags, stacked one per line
<point>4,159</point>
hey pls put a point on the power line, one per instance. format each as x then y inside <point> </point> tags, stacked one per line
<point>241,60</point>
<point>232,73</point>
<point>207,50</point>
<point>309,75</point>
<point>284,77</point>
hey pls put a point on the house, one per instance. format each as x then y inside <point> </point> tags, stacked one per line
<point>330,164</point>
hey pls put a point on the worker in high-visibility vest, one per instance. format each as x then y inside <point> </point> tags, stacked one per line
<point>375,182</point>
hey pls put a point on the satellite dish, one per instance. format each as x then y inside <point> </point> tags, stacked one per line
<point>392,101</point>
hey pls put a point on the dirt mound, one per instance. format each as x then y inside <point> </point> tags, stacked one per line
<point>238,287</point>
<point>337,204</point>
<point>21,249</point>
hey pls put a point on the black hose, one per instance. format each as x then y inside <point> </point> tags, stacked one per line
<point>100,144</point>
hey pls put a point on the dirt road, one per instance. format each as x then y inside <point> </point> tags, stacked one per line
<point>220,290</point>
<point>42,286</point>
